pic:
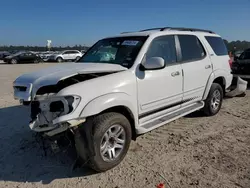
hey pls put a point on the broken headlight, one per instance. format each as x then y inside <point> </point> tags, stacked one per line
<point>65,104</point>
<point>73,102</point>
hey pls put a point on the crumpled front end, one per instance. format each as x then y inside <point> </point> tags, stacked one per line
<point>45,111</point>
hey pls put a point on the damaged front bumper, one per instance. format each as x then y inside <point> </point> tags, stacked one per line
<point>238,87</point>
<point>47,114</point>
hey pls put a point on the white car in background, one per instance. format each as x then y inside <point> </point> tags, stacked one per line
<point>67,55</point>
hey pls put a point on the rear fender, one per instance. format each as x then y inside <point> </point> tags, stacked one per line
<point>212,77</point>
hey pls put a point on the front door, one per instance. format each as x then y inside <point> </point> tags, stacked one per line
<point>160,89</point>
<point>196,66</point>
<point>24,57</point>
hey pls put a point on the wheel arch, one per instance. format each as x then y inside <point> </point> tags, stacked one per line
<point>222,82</point>
<point>127,113</point>
<point>59,56</point>
<point>215,78</point>
<point>113,102</point>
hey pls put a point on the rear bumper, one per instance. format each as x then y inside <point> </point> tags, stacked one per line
<point>238,87</point>
<point>245,76</point>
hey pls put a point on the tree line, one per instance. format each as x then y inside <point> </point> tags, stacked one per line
<point>42,48</point>
<point>237,45</point>
<point>231,46</point>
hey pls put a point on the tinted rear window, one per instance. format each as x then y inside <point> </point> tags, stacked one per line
<point>218,45</point>
<point>191,48</point>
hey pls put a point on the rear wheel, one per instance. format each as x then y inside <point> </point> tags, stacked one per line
<point>214,100</point>
<point>59,59</point>
<point>37,61</point>
<point>77,58</point>
<point>111,136</point>
<point>13,61</point>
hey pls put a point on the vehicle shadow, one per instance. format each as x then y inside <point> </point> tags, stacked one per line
<point>22,156</point>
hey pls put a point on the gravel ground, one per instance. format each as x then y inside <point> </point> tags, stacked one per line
<point>193,151</point>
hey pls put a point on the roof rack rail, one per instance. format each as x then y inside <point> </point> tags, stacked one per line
<point>127,32</point>
<point>150,29</point>
<point>178,29</point>
<point>186,29</point>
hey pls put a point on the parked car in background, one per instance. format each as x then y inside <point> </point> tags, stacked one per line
<point>46,55</point>
<point>241,65</point>
<point>4,54</point>
<point>67,55</point>
<point>238,53</point>
<point>23,57</point>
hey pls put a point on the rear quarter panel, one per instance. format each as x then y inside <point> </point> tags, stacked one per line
<point>221,66</point>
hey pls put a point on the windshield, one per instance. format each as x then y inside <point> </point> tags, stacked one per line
<point>120,50</point>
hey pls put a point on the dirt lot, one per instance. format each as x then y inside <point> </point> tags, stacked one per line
<point>194,151</point>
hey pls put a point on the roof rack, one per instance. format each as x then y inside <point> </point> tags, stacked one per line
<point>127,32</point>
<point>151,29</point>
<point>178,29</point>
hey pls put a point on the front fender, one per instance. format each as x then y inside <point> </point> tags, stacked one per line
<point>101,103</point>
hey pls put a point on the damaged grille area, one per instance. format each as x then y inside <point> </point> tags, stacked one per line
<point>35,109</point>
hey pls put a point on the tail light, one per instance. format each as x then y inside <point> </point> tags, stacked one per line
<point>230,61</point>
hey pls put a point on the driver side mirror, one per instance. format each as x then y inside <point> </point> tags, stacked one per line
<point>153,63</point>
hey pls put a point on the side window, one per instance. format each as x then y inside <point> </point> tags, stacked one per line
<point>67,52</point>
<point>191,48</point>
<point>217,45</point>
<point>163,47</point>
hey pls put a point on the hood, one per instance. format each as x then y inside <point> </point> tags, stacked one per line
<point>9,57</point>
<point>52,75</point>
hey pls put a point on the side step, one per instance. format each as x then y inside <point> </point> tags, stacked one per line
<point>166,118</point>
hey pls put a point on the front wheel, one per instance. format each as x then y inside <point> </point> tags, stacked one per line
<point>111,139</point>
<point>214,100</point>
<point>13,61</point>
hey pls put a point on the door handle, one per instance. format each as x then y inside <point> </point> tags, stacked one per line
<point>208,66</point>
<point>177,73</point>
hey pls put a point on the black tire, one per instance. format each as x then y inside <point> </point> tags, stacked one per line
<point>77,58</point>
<point>37,61</point>
<point>59,60</point>
<point>101,124</point>
<point>209,109</point>
<point>13,61</point>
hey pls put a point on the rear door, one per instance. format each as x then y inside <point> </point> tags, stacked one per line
<point>196,66</point>
<point>33,57</point>
<point>24,57</point>
<point>66,55</point>
<point>73,55</point>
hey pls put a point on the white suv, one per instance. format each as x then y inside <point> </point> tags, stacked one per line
<point>127,85</point>
<point>67,55</point>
